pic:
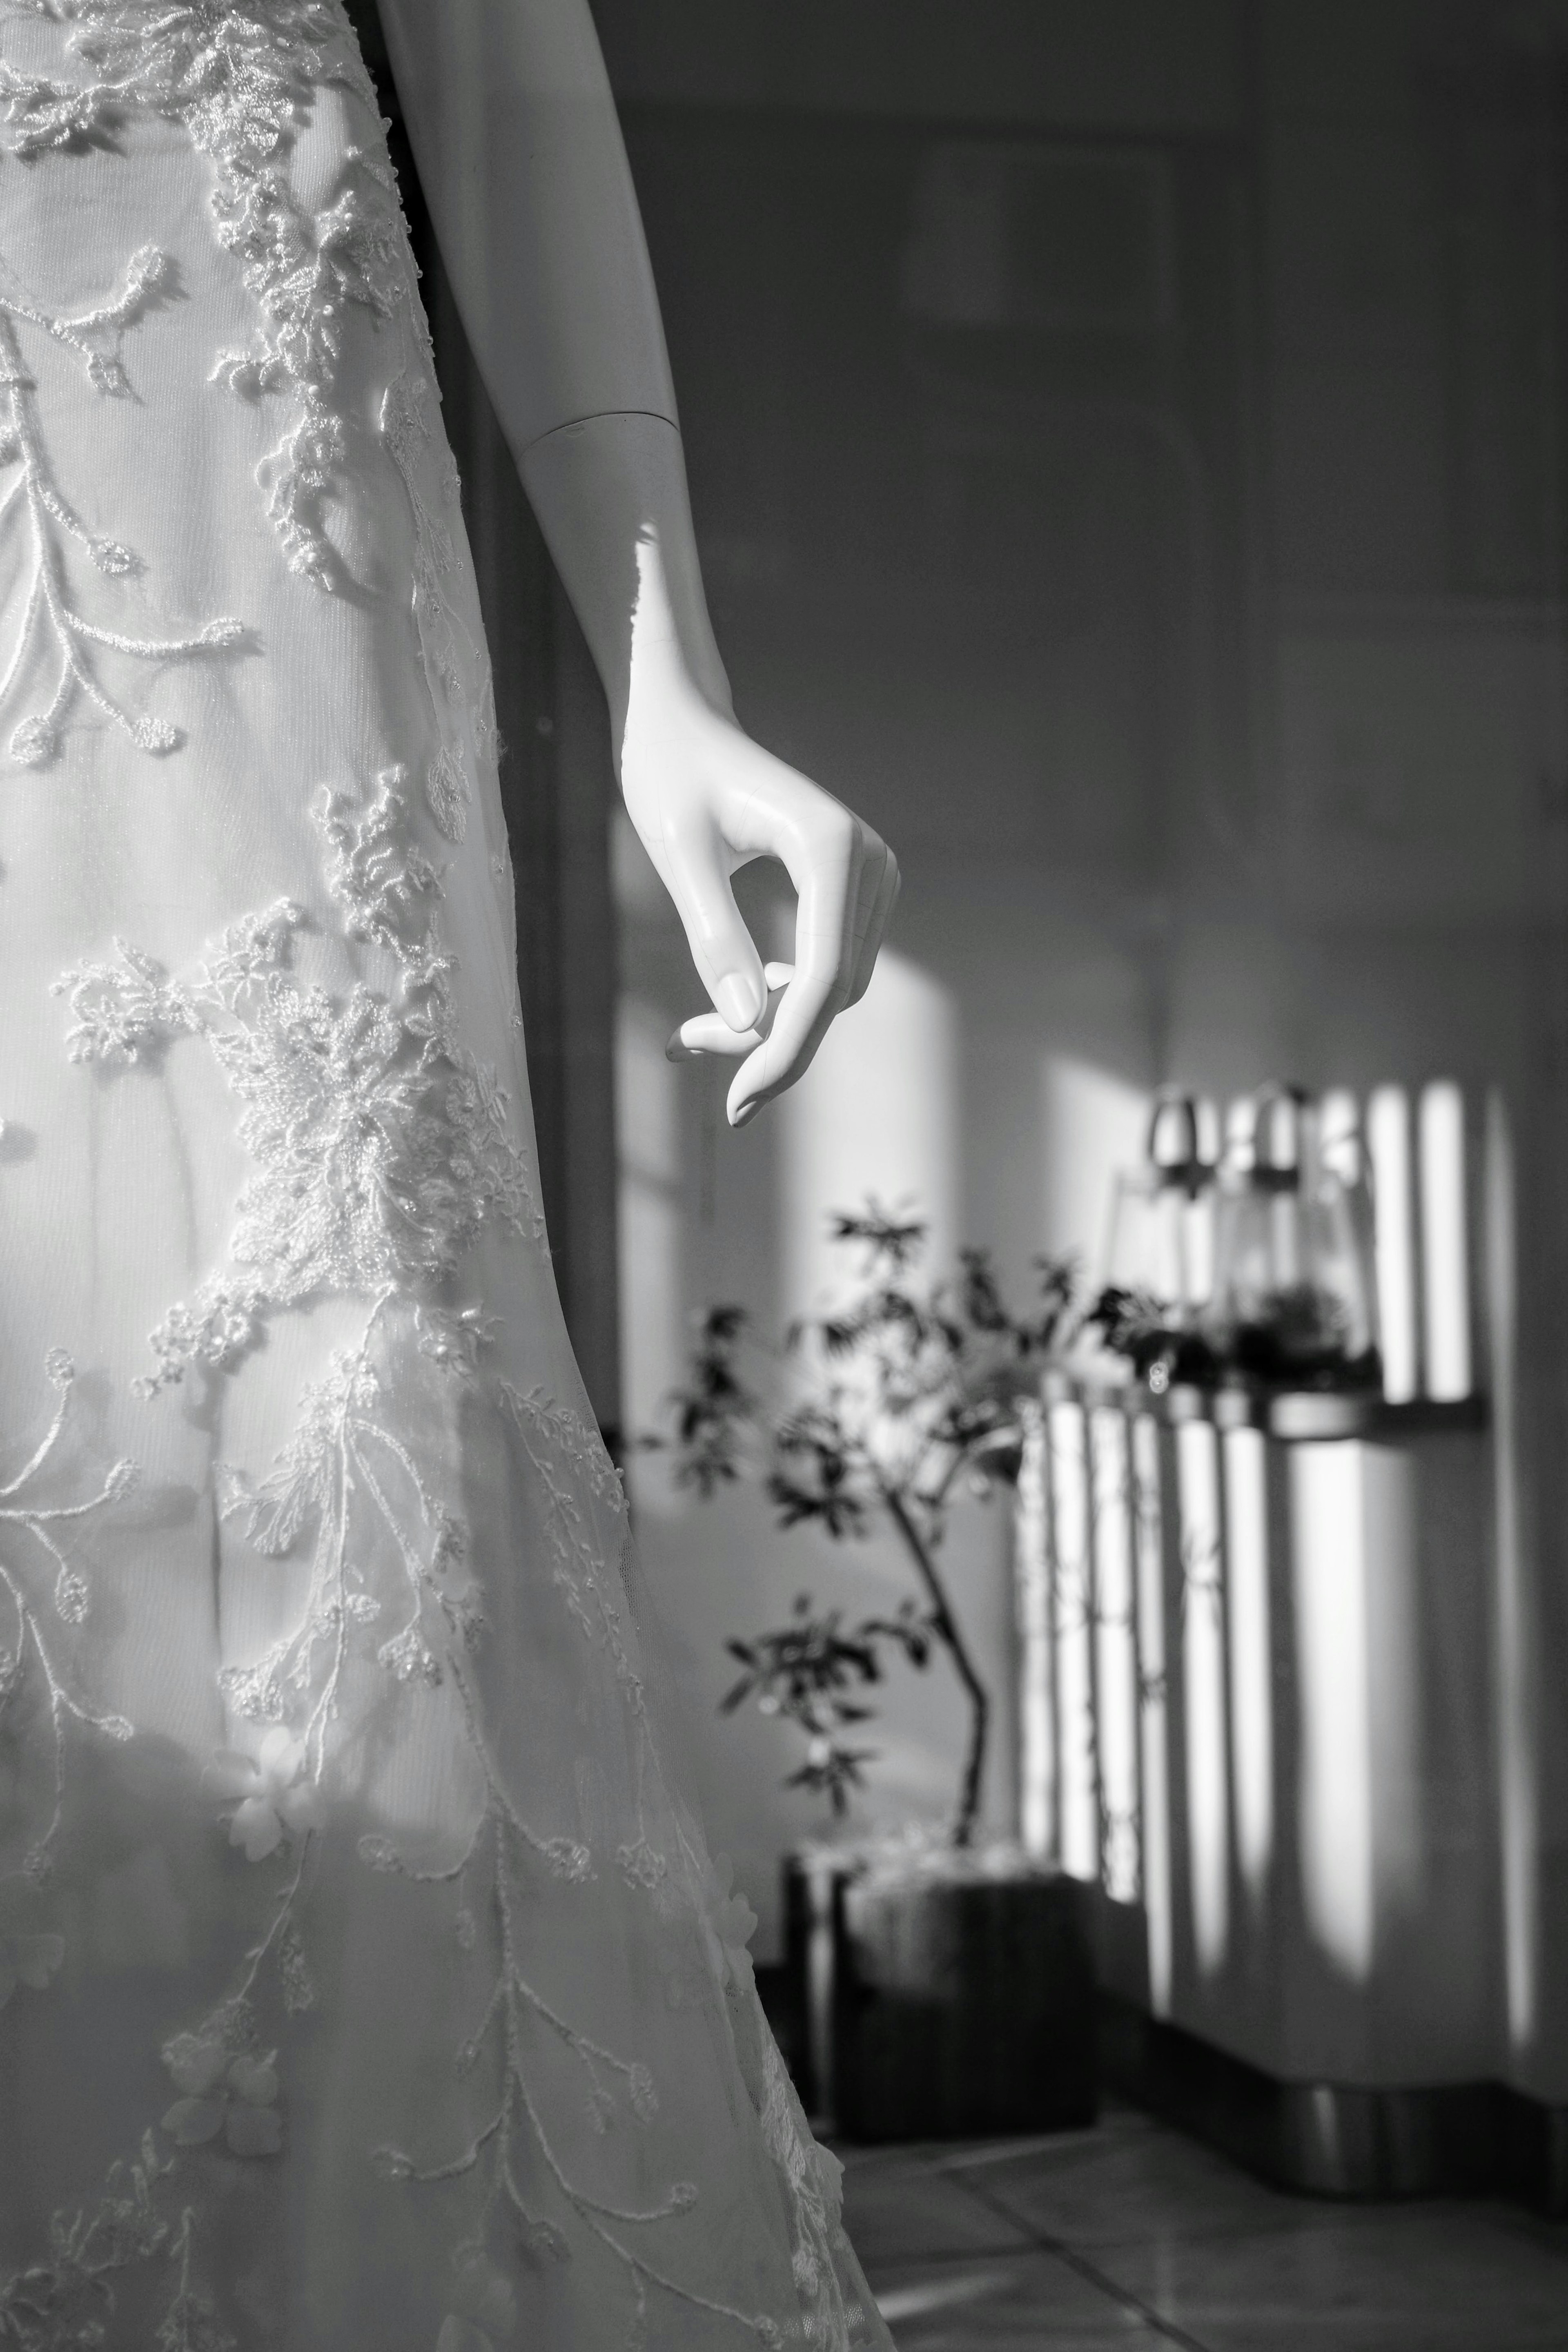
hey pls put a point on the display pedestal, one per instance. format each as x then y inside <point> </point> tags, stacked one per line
<point>941,2006</point>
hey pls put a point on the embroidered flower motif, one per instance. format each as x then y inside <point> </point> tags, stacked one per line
<point>238,79</point>
<point>406,432</point>
<point>274,1793</point>
<point>375,872</point>
<point>59,2303</point>
<point>639,1866</point>
<point>382,1145</point>
<point>455,1340</point>
<point>233,2094</point>
<point>35,1531</point>
<point>53,629</point>
<point>294,1971</point>
<point>587,1521</point>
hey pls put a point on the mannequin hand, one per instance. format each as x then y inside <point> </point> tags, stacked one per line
<point>705,800</point>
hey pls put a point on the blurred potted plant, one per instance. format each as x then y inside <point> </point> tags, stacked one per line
<point>959,1998</point>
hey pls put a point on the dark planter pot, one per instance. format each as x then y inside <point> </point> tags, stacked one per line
<point>941,2007</point>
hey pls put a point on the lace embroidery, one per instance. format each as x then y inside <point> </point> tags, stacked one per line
<point>576,1473</point>
<point>336,1471</point>
<point>275,1796</point>
<point>29,1658</point>
<point>191,2324</point>
<point>347,1479</point>
<point>239,78</point>
<point>405,429</point>
<point>513,2008</point>
<point>588,1534</point>
<point>59,2305</point>
<point>374,873</point>
<point>52,620</point>
<point>814,2177</point>
<point>382,1145</point>
<point>234,2093</point>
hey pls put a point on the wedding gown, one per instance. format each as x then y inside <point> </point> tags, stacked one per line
<point>365,1985</point>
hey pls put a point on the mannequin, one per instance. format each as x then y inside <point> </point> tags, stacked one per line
<point>513,126</point>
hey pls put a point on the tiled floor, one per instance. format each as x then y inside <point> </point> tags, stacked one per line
<point>1129,2235</point>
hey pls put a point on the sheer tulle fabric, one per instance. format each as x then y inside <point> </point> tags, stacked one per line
<point>364,1982</point>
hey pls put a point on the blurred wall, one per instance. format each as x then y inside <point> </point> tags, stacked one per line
<point>1126,447</point>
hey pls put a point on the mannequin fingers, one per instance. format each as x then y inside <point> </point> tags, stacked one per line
<point>879,896</point>
<point>805,1013</point>
<point>824,862</point>
<point>696,872</point>
<point>707,1034</point>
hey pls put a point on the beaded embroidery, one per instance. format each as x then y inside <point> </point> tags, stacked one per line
<point>52,618</point>
<point>239,79</point>
<point>382,1144</point>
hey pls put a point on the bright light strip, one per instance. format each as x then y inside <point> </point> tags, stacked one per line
<point>1251,1665</point>
<point>1072,1608</point>
<point>1445,1243</point>
<point>1203,1690</point>
<point>1037,1715</point>
<point>1515,1666</point>
<point>1388,1147</point>
<point>1332,1700</point>
<point>1116,1657</point>
<point>1149,1552</point>
<point>1339,1134</point>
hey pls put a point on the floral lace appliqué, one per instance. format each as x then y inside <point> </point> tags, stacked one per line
<point>32,1668</point>
<point>54,630</point>
<point>448,650</point>
<point>382,1147</point>
<point>240,76</point>
<point>59,2304</point>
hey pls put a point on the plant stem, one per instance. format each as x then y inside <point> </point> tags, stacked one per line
<point>945,1626</point>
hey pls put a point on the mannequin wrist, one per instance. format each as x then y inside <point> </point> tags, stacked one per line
<point>610,491</point>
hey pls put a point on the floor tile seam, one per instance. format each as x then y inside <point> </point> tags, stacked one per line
<point>1088,2137</point>
<point>1167,2330</point>
<point>938,2258</point>
<point>1330,2222</point>
<point>1294,2219</point>
<point>1247,2234</point>
<point>1313,2217</point>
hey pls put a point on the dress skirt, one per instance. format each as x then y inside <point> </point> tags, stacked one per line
<point>365,1982</point>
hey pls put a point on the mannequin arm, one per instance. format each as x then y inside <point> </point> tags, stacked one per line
<point>522,164</point>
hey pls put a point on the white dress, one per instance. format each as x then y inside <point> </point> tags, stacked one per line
<point>365,1985</point>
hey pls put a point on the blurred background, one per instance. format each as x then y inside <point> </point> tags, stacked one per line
<point>1127,444</point>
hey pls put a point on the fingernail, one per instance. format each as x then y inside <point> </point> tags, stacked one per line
<point>745,1115</point>
<point>737,1000</point>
